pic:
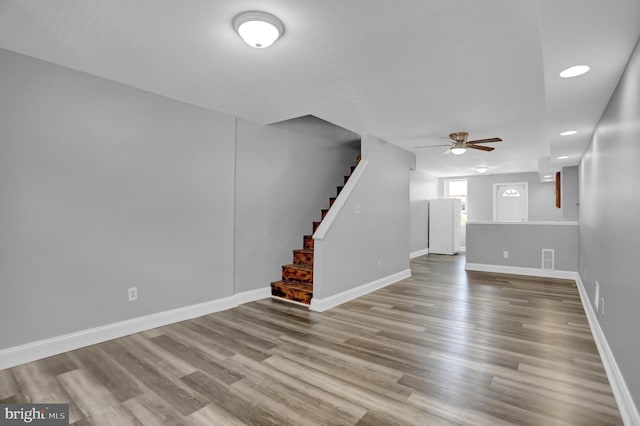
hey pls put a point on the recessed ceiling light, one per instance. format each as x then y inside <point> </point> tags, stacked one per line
<point>563,157</point>
<point>568,133</point>
<point>574,71</point>
<point>258,29</point>
<point>482,169</point>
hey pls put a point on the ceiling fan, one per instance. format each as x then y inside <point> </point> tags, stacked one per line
<point>459,143</point>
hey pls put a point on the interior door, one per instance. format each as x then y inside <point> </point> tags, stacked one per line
<point>510,202</point>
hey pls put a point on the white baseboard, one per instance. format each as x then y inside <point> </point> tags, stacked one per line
<point>33,351</point>
<point>418,253</point>
<point>321,305</point>
<point>628,409</point>
<point>517,270</point>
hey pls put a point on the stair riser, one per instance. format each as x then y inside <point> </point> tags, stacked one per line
<point>308,242</point>
<point>331,201</point>
<point>302,258</point>
<point>296,274</point>
<point>315,226</point>
<point>324,212</point>
<point>298,295</point>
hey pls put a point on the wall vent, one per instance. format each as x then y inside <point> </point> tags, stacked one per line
<point>548,259</point>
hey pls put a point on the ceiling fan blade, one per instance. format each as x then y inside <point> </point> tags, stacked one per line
<point>485,140</point>
<point>480,147</point>
<point>431,146</point>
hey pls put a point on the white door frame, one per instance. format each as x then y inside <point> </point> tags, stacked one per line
<point>526,198</point>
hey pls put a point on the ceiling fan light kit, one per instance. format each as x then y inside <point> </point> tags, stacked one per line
<point>460,144</point>
<point>258,29</point>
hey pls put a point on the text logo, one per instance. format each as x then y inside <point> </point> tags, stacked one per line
<point>34,414</point>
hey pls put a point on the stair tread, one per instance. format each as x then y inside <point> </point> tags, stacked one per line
<point>296,266</point>
<point>294,284</point>
<point>303,250</point>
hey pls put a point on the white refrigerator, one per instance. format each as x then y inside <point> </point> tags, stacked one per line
<point>444,226</point>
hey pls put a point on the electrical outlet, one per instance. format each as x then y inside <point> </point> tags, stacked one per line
<point>596,299</point>
<point>505,254</point>
<point>133,294</point>
<point>379,265</point>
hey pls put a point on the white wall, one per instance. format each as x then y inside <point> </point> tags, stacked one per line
<point>422,187</point>
<point>106,187</point>
<point>284,179</point>
<point>609,226</point>
<point>348,255</point>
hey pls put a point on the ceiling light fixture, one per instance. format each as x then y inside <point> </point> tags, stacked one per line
<point>568,133</point>
<point>458,150</point>
<point>563,157</point>
<point>258,29</point>
<point>482,169</point>
<point>574,71</point>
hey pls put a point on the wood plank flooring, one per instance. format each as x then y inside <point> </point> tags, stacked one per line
<point>443,347</point>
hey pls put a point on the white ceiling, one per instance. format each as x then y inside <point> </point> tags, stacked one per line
<point>406,71</point>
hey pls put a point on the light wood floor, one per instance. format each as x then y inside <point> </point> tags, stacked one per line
<point>442,347</point>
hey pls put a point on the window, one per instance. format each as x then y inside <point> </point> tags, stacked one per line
<point>458,189</point>
<point>510,193</point>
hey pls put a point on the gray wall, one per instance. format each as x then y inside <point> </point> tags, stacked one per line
<point>106,187</point>
<point>609,229</point>
<point>542,196</point>
<point>355,243</point>
<point>569,181</point>
<point>486,243</point>
<point>422,187</point>
<point>284,179</point>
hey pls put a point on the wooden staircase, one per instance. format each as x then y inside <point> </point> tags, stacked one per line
<point>296,284</point>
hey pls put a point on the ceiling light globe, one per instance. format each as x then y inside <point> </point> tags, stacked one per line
<point>258,29</point>
<point>458,150</point>
<point>482,169</point>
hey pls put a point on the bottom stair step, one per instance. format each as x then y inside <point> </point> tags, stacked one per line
<point>292,290</point>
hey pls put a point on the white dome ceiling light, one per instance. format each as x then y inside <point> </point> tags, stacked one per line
<point>575,71</point>
<point>482,169</point>
<point>258,29</point>
<point>568,133</point>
